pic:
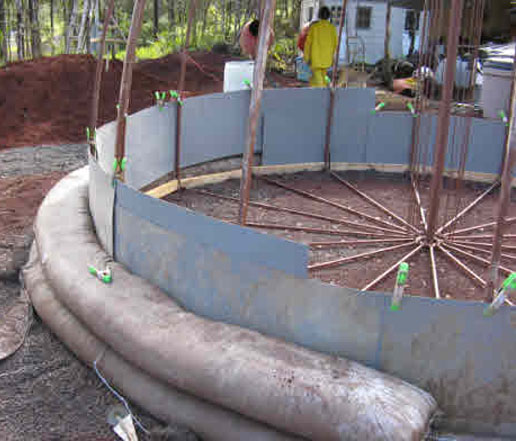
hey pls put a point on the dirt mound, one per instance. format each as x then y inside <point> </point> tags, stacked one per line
<point>48,101</point>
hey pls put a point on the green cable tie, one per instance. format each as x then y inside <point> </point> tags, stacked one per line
<point>156,95</point>
<point>247,83</point>
<point>88,133</point>
<point>378,108</point>
<point>123,163</point>
<point>503,117</point>
<point>509,282</point>
<point>327,79</point>
<point>411,108</point>
<point>395,307</point>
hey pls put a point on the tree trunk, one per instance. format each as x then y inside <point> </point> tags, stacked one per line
<point>156,19</point>
<point>71,25</point>
<point>20,30</point>
<point>34,27</point>
<point>171,15</point>
<point>82,27</point>
<point>3,32</point>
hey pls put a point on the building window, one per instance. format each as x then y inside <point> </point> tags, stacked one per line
<point>412,21</point>
<point>364,17</point>
<point>335,15</point>
<point>310,13</point>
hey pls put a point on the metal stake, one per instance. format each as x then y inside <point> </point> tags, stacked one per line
<point>254,109</point>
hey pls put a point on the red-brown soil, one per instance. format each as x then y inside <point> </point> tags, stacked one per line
<point>48,100</point>
<point>393,193</point>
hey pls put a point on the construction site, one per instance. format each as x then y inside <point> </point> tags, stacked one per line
<point>202,247</point>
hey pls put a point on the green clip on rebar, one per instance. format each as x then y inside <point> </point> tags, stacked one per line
<point>104,276</point>
<point>503,117</point>
<point>160,99</point>
<point>247,83</point>
<point>378,108</point>
<point>119,165</point>
<point>327,80</point>
<point>174,94</point>
<point>401,281</point>
<point>508,285</point>
<point>412,110</point>
<point>88,134</point>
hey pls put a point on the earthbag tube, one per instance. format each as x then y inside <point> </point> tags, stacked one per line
<point>172,406</point>
<point>280,384</point>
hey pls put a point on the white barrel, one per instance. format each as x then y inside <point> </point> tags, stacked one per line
<point>237,74</point>
<point>496,86</point>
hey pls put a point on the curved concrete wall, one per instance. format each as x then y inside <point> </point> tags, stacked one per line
<point>250,279</point>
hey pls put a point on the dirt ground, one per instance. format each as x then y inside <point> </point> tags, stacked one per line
<point>392,192</point>
<point>46,393</point>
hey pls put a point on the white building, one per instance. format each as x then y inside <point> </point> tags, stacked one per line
<point>365,27</point>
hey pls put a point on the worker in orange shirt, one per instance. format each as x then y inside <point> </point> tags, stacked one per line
<point>320,47</point>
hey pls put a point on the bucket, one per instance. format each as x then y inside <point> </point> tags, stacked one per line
<point>303,70</point>
<point>238,75</point>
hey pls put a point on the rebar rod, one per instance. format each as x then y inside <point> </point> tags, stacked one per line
<point>366,255</point>
<point>341,243</point>
<point>314,197</point>
<point>478,259</point>
<point>435,278</point>
<point>483,244</point>
<point>374,202</point>
<point>468,208</point>
<point>331,106</point>
<point>505,192</point>
<point>180,87</point>
<point>419,204</point>
<point>508,221</point>
<point>97,85</point>
<point>443,118</point>
<point>480,250</point>
<point>298,212</point>
<point>468,271</point>
<point>315,230</point>
<point>254,109</point>
<point>484,236</point>
<point>125,87</point>
<point>391,269</point>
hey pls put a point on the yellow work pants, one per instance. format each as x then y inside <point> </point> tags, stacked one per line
<point>318,76</point>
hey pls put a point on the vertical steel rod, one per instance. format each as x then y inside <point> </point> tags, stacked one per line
<point>435,279</point>
<point>125,88</point>
<point>180,89</point>
<point>331,107</point>
<point>419,204</point>
<point>443,124</point>
<point>254,109</point>
<point>386,47</point>
<point>97,86</point>
<point>505,192</point>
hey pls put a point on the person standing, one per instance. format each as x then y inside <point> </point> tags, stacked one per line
<point>320,47</point>
<point>249,39</point>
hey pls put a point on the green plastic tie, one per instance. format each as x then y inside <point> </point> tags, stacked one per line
<point>247,83</point>
<point>327,79</point>
<point>175,95</point>
<point>503,117</point>
<point>402,273</point>
<point>378,108</point>
<point>92,270</point>
<point>509,282</point>
<point>411,108</point>
<point>122,163</point>
<point>395,307</point>
<point>88,133</point>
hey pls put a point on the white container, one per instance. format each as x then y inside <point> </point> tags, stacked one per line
<point>496,90</point>
<point>497,79</point>
<point>238,75</point>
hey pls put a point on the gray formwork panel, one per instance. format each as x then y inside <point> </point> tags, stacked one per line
<point>294,125</point>
<point>150,144</point>
<point>105,144</point>
<point>351,122</point>
<point>467,361</point>
<point>240,244</point>
<point>101,194</point>
<point>389,138</point>
<point>214,126</point>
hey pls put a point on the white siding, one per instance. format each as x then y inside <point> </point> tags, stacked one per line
<point>373,38</point>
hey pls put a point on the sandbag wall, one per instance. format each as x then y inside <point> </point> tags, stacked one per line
<point>446,347</point>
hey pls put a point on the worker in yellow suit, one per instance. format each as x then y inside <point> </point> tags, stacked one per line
<point>320,47</point>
